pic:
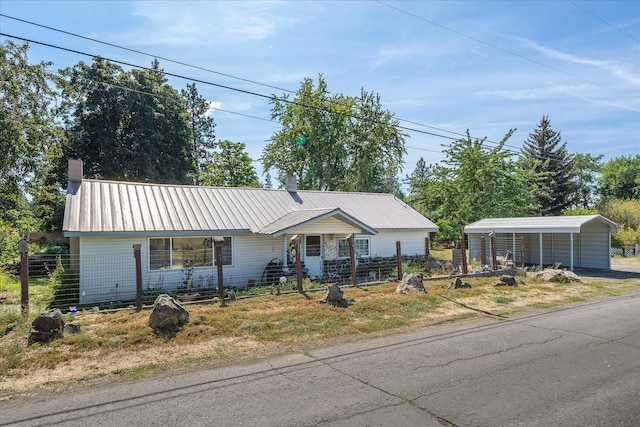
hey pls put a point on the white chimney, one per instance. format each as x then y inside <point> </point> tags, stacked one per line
<point>290,183</point>
<point>75,170</point>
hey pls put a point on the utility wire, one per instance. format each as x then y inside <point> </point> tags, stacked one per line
<point>603,21</point>
<point>491,45</point>
<point>283,99</point>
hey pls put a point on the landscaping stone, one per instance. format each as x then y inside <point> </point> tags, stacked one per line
<point>72,328</point>
<point>555,275</point>
<point>411,284</point>
<point>167,316</point>
<point>459,284</point>
<point>47,326</point>
<point>334,297</point>
<point>509,280</point>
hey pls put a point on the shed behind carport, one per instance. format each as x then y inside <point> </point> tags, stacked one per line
<point>572,241</point>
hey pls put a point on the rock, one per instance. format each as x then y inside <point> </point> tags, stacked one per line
<point>334,296</point>
<point>334,293</point>
<point>459,284</point>
<point>47,326</point>
<point>498,283</point>
<point>167,316</point>
<point>72,328</point>
<point>554,275</point>
<point>411,284</point>
<point>509,280</point>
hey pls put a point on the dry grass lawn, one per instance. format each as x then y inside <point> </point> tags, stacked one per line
<point>119,344</point>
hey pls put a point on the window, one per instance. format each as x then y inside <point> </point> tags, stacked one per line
<point>166,253</point>
<point>312,246</point>
<point>360,247</point>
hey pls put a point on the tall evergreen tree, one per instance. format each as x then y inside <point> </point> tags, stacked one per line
<point>129,126</point>
<point>202,126</point>
<point>544,156</point>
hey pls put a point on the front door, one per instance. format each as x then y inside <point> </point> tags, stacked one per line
<point>313,255</point>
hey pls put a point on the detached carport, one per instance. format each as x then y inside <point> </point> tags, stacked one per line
<point>574,241</point>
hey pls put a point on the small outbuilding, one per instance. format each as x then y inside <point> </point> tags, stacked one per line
<point>570,241</point>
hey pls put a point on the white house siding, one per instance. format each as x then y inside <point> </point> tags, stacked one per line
<point>594,246</point>
<point>107,269</point>
<point>326,226</point>
<point>411,242</point>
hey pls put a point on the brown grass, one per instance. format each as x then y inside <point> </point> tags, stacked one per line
<point>121,345</point>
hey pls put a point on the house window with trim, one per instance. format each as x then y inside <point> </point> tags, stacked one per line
<point>361,247</point>
<point>167,253</point>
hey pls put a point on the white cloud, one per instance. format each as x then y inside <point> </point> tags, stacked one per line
<point>205,23</point>
<point>213,105</point>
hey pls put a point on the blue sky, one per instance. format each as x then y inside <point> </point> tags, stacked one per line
<point>444,66</point>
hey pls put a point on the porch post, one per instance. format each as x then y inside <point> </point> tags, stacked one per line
<point>514,250</point>
<point>285,261</point>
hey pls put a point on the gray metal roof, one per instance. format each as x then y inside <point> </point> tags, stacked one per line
<point>542,224</point>
<point>97,206</point>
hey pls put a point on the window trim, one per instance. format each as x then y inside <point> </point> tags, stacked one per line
<point>171,267</point>
<point>344,239</point>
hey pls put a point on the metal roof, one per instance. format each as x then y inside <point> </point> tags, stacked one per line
<point>542,224</point>
<point>309,216</point>
<point>96,206</point>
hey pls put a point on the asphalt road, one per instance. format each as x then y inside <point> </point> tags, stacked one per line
<point>574,366</point>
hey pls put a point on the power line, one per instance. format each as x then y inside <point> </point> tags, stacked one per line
<point>493,46</point>
<point>603,21</point>
<point>283,99</point>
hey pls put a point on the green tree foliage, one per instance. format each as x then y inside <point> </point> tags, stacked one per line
<point>202,126</point>
<point>130,126</point>
<point>625,213</point>
<point>27,126</point>
<point>585,170</point>
<point>473,182</point>
<point>230,167</point>
<point>348,144</point>
<point>544,156</point>
<point>620,178</point>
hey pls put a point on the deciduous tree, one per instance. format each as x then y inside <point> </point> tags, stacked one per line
<point>620,178</point>
<point>230,167</point>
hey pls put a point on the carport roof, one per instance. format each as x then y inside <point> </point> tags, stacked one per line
<point>543,224</point>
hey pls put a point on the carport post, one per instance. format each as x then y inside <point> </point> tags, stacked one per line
<point>218,242</point>
<point>136,255</point>
<point>571,249</point>
<point>541,252</point>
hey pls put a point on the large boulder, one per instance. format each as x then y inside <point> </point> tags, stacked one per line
<point>47,326</point>
<point>167,316</point>
<point>411,284</point>
<point>555,275</point>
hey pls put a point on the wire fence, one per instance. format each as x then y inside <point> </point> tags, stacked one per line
<point>117,279</point>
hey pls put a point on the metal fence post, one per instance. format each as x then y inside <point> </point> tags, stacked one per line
<point>136,255</point>
<point>218,242</point>
<point>352,260</point>
<point>494,252</point>
<point>23,247</point>
<point>399,259</point>
<point>463,253</point>
<point>427,266</point>
<point>296,247</point>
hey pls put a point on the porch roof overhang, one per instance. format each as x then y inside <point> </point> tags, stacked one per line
<point>298,218</point>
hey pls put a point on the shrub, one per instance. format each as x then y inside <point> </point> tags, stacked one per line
<point>65,284</point>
